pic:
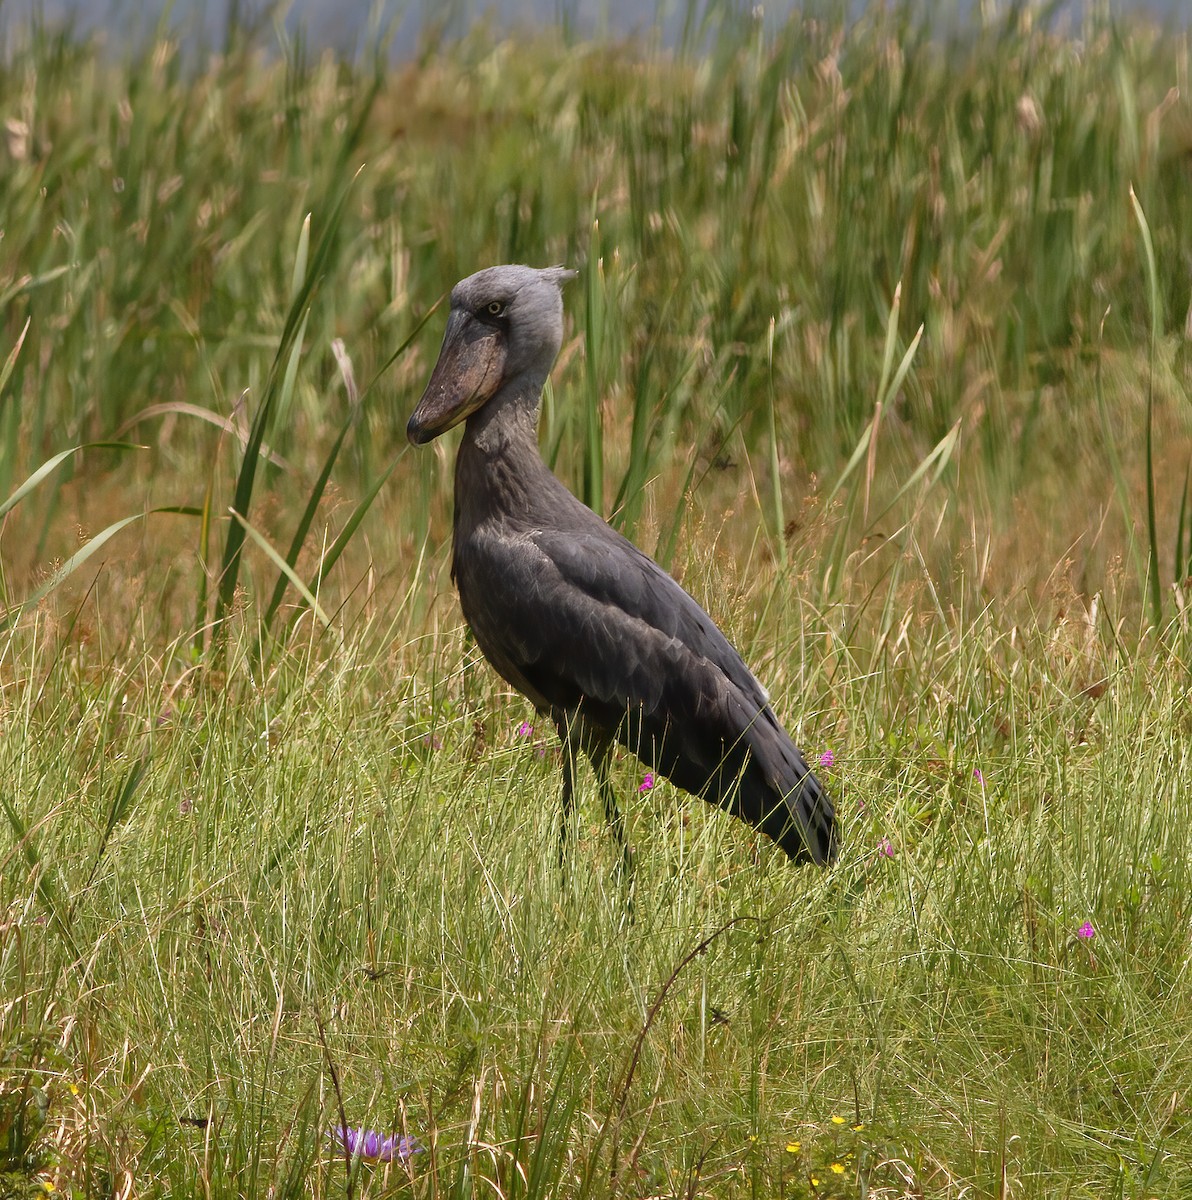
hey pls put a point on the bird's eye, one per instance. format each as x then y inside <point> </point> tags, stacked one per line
<point>496,309</point>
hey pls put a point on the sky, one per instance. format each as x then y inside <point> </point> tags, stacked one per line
<point>346,26</point>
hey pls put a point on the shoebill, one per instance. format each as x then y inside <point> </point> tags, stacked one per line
<point>597,635</point>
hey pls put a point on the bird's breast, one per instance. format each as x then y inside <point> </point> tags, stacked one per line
<point>485,558</point>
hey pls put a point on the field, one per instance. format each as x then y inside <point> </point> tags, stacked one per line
<point>881,342</point>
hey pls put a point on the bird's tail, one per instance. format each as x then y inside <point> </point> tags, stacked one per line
<point>759,777</point>
<point>780,794</point>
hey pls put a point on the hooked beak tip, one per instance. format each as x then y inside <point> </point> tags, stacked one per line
<point>416,435</point>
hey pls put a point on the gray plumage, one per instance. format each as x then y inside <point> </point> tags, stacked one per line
<point>573,615</point>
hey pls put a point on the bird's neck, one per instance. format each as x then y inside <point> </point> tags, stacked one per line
<point>508,423</point>
<point>499,470</point>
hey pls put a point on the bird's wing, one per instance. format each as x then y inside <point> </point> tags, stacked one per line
<point>644,603</point>
<point>585,613</point>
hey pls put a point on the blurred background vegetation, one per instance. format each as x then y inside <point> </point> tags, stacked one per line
<point>881,341</point>
<point>743,219</point>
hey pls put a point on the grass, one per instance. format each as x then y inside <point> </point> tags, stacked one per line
<point>870,344</point>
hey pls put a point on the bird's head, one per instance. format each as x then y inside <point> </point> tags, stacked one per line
<point>506,323</point>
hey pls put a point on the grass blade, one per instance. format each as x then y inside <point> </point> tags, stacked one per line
<point>891,339</point>
<point>68,568</point>
<point>594,331</point>
<point>650,408</point>
<point>81,556</point>
<point>904,366</point>
<point>1155,589</point>
<point>887,391</point>
<point>285,568</point>
<point>49,886</point>
<point>940,456</point>
<point>775,476</point>
<point>1183,562</point>
<point>338,546</point>
<point>1115,462</point>
<point>316,495</point>
<point>286,573</point>
<point>301,256</point>
<point>52,464</point>
<point>11,361</point>
<point>186,409</point>
<point>117,813</point>
<point>295,323</point>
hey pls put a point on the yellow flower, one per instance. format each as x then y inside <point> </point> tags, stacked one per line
<point>74,1089</point>
<point>858,1126</point>
<point>837,1120</point>
<point>753,1137</point>
<point>814,1181</point>
<point>794,1147</point>
<point>837,1168</point>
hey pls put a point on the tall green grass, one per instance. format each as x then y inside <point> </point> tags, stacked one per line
<point>201,880</point>
<point>800,178</point>
<point>869,345</point>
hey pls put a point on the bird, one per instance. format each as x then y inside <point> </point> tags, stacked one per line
<point>590,629</point>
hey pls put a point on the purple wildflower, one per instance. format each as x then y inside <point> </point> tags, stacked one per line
<point>1086,931</point>
<point>886,848</point>
<point>827,759</point>
<point>979,776</point>
<point>369,1146</point>
<point>647,782</point>
<point>525,729</point>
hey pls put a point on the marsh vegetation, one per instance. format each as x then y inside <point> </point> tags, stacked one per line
<point>880,344</point>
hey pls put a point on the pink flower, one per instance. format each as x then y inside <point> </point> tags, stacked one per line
<point>525,729</point>
<point>979,776</point>
<point>827,759</point>
<point>886,848</point>
<point>1086,932</point>
<point>647,782</point>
